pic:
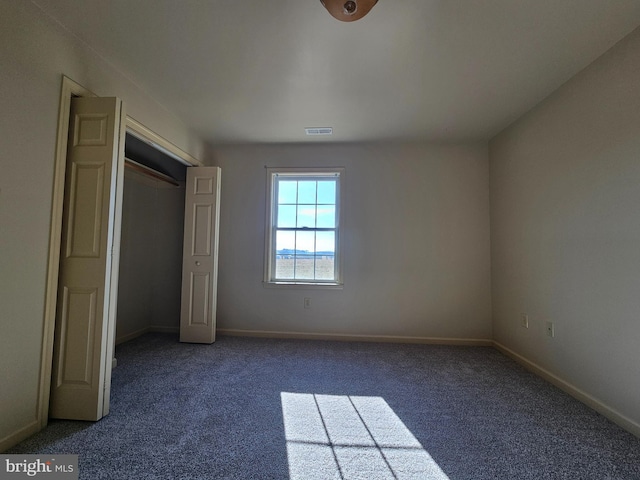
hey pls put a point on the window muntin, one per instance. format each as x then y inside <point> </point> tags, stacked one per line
<point>303,234</point>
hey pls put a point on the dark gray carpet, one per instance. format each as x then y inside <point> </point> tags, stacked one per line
<point>352,410</point>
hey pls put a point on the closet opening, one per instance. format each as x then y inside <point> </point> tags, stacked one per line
<point>150,272</point>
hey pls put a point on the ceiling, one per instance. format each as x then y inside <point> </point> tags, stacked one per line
<point>429,70</point>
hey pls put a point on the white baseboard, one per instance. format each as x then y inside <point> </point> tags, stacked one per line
<point>356,338</point>
<point>160,329</point>
<point>142,331</point>
<point>574,391</point>
<point>19,435</point>
<point>130,336</point>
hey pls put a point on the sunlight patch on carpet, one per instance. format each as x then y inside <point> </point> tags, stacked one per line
<point>351,437</point>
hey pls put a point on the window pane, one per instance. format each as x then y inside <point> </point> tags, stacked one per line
<point>287,190</point>
<point>285,249</point>
<point>326,216</point>
<point>304,267</point>
<point>307,192</point>
<point>284,267</point>
<point>285,243</point>
<point>305,201</point>
<point>286,216</point>
<point>325,243</point>
<point>306,216</point>
<point>325,267</point>
<point>305,242</point>
<point>327,192</point>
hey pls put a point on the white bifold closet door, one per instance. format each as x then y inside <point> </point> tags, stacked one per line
<point>200,255</point>
<point>87,280</point>
<point>89,254</point>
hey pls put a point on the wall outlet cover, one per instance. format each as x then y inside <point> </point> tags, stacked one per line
<point>550,330</point>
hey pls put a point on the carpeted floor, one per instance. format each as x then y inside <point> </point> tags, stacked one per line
<point>247,408</point>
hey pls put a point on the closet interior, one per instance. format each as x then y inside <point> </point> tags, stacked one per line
<point>151,241</point>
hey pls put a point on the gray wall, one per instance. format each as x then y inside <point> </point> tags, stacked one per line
<point>415,240</point>
<point>35,52</point>
<point>167,285</point>
<point>136,275</point>
<point>565,231</point>
<point>150,258</point>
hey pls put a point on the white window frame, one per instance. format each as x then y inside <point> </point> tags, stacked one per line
<point>273,173</point>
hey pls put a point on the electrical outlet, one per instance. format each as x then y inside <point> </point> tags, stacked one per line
<point>524,320</point>
<point>550,330</point>
<point>307,302</point>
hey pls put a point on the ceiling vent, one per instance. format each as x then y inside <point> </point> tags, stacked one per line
<point>319,131</point>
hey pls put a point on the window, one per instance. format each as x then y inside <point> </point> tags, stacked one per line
<point>303,226</point>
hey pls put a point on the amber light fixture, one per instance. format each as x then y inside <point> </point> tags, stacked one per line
<point>348,10</point>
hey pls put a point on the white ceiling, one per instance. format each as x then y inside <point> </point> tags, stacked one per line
<point>261,71</point>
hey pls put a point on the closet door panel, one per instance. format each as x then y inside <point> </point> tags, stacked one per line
<point>200,255</point>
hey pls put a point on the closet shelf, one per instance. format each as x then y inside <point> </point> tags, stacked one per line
<point>160,179</point>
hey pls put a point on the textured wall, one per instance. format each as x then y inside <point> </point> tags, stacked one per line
<point>415,242</point>
<point>35,53</point>
<point>150,257</point>
<point>565,231</point>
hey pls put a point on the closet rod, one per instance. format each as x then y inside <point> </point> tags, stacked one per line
<point>143,169</point>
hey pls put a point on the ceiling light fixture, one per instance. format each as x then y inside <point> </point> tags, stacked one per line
<point>349,10</point>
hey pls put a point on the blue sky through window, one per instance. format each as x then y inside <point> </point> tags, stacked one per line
<point>306,204</point>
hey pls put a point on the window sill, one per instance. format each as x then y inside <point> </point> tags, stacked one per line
<point>303,285</point>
